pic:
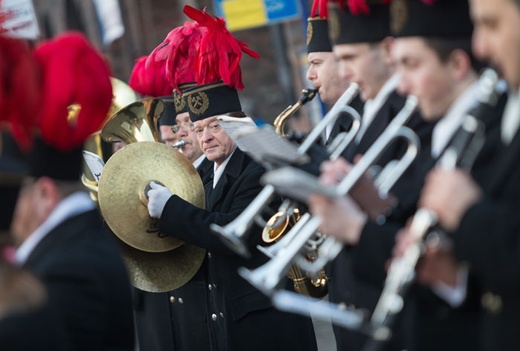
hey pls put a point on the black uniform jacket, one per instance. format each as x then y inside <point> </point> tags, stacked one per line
<point>428,322</point>
<point>239,316</point>
<point>81,266</point>
<point>489,240</point>
<point>175,320</point>
<point>345,286</point>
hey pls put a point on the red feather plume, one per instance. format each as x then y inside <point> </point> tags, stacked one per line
<point>319,9</point>
<point>73,73</point>
<point>150,80</point>
<point>20,92</point>
<point>179,50</point>
<point>219,53</point>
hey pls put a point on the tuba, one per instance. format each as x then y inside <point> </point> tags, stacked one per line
<point>99,150</point>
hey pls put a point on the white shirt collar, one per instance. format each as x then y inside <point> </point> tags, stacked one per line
<point>198,161</point>
<point>448,125</point>
<point>72,205</point>
<point>220,170</point>
<point>511,117</point>
<point>372,106</point>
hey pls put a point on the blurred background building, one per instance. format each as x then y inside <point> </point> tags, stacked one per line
<point>126,29</point>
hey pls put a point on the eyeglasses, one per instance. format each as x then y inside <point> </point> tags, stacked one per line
<point>186,126</point>
<point>213,128</point>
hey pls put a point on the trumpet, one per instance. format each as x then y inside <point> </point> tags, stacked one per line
<point>266,278</point>
<point>461,152</point>
<point>235,233</point>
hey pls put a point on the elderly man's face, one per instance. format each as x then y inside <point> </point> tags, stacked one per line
<point>214,142</point>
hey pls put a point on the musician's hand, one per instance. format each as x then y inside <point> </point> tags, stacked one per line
<point>437,265</point>
<point>157,198</point>
<point>332,172</point>
<point>449,194</point>
<point>341,218</point>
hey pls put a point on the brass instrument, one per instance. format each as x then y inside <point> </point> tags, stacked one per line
<point>461,152</point>
<point>308,283</point>
<point>267,277</point>
<point>156,263</point>
<point>281,119</point>
<point>122,96</point>
<point>235,232</point>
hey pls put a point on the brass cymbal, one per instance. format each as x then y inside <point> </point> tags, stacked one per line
<point>121,194</point>
<point>162,271</point>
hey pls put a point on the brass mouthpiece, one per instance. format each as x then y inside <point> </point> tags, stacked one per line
<point>179,144</point>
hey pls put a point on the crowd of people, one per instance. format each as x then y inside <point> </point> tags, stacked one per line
<point>64,284</point>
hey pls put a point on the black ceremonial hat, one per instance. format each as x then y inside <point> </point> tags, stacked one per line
<point>13,167</point>
<point>430,18</point>
<point>349,25</point>
<point>318,29</point>
<point>212,99</point>
<point>168,116</point>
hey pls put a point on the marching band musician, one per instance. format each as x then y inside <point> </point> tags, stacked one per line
<point>323,67</point>
<point>433,54</point>
<point>24,308</point>
<point>361,43</point>
<point>483,216</point>
<point>174,320</point>
<point>57,229</point>
<point>237,316</point>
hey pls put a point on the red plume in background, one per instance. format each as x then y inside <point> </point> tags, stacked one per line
<point>179,50</point>
<point>73,73</point>
<point>219,53</point>
<point>19,89</point>
<point>319,9</point>
<point>150,80</point>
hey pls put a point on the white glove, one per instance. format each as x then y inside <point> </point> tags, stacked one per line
<point>158,195</point>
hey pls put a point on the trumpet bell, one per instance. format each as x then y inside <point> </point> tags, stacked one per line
<point>122,187</point>
<point>278,224</point>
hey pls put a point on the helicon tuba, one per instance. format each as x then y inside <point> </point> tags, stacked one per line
<point>123,95</point>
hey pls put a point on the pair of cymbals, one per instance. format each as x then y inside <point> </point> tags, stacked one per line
<point>156,262</point>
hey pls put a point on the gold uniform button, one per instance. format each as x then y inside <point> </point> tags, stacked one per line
<point>210,287</point>
<point>214,317</point>
<point>172,299</point>
<point>209,254</point>
<point>492,303</point>
<point>221,315</point>
<point>181,301</point>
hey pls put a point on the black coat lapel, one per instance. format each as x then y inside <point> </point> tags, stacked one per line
<point>509,160</point>
<point>232,172</point>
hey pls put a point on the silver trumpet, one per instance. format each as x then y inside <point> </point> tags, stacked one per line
<point>235,233</point>
<point>462,152</point>
<point>267,277</point>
